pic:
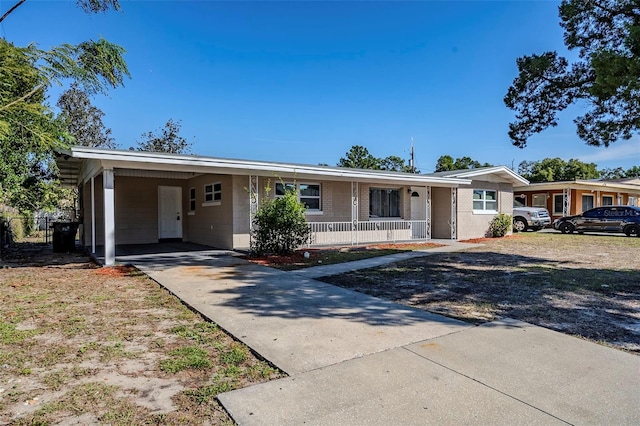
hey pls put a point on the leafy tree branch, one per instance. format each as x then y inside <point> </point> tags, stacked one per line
<point>606,78</point>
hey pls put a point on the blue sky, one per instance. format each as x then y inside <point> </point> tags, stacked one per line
<point>304,81</point>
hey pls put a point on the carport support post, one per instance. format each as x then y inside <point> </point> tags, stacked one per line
<point>93,216</point>
<point>109,218</point>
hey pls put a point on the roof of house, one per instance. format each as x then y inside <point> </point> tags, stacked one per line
<point>79,164</point>
<point>502,171</point>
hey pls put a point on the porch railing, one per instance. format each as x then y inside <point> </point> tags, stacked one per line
<point>384,231</point>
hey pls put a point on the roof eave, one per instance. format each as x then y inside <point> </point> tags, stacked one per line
<point>577,184</point>
<point>146,160</point>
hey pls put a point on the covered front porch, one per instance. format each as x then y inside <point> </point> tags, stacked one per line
<point>132,198</point>
<point>412,221</point>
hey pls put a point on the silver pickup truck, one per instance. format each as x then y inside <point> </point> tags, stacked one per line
<point>525,217</point>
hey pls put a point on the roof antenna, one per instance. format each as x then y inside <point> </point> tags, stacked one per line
<point>412,161</point>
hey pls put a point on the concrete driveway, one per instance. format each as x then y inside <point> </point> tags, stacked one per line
<point>356,359</point>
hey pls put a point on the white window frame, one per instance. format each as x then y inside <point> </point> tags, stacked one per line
<point>607,196</point>
<point>593,202</point>
<point>192,201</point>
<point>632,201</point>
<point>555,212</point>
<point>484,201</point>
<point>399,191</point>
<point>543,196</point>
<point>296,187</point>
<point>212,197</point>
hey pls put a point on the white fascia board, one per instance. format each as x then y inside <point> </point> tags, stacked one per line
<point>195,164</point>
<point>586,185</point>
<point>91,168</point>
<point>513,176</point>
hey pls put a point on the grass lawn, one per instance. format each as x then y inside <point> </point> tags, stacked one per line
<point>85,345</point>
<point>329,256</point>
<point>585,285</point>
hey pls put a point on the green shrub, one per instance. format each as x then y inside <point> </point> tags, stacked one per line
<point>18,227</point>
<point>28,224</point>
<point>279,226</point>
<point>11,228</point>
<point>499,226</point>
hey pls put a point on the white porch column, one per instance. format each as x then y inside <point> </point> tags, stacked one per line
<point>597,198</point>
<point>354,213</point>
<point>253,203</point>
<point>566,202</point>
<point>109,218</point>
<point>93,216</point>
<point>427,199</point>
<point>454,213</point>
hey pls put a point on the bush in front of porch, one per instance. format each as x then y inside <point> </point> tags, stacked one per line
<point>279,226</point>
<point>499,226</point>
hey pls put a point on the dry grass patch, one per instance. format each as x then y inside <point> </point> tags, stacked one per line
<point>82,344</point>
<point>585,285</point>
<point>330,256</point>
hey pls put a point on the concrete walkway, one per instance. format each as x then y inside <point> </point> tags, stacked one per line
<point>355,359</point>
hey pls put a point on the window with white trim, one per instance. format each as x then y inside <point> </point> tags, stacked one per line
<point>633,201</point>
<point>212,194</point>
<point>308,194</point>
<point>485,200</point>
<point>192,199</point>
<point>587,202</point>
<point>384,202</point>
<point>539,200</point>
<point>558,204</point>
<point>607,200</point>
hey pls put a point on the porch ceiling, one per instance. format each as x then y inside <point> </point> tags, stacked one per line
<point>69,170</point>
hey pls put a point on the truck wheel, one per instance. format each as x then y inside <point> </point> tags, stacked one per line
<point>519,225</point>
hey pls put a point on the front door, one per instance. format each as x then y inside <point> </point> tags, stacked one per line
<point>169,212</point>
<point>418,213</point>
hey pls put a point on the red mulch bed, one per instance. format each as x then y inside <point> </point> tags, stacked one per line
<point>116,271</point>
<point>484,240</point>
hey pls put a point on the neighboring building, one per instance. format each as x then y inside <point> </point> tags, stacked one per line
<point>574,197</point>
<point>129,197</point>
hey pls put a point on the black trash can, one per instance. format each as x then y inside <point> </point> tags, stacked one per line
<point>64,236</point>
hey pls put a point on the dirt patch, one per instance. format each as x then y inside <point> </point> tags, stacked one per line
<point>314,257</point>
<point>487,239</point>
<point>584,285</point>
<point>81,344</point>
<point>117,271</point>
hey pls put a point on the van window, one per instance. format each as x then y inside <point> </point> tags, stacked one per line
<point>593,213</point>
